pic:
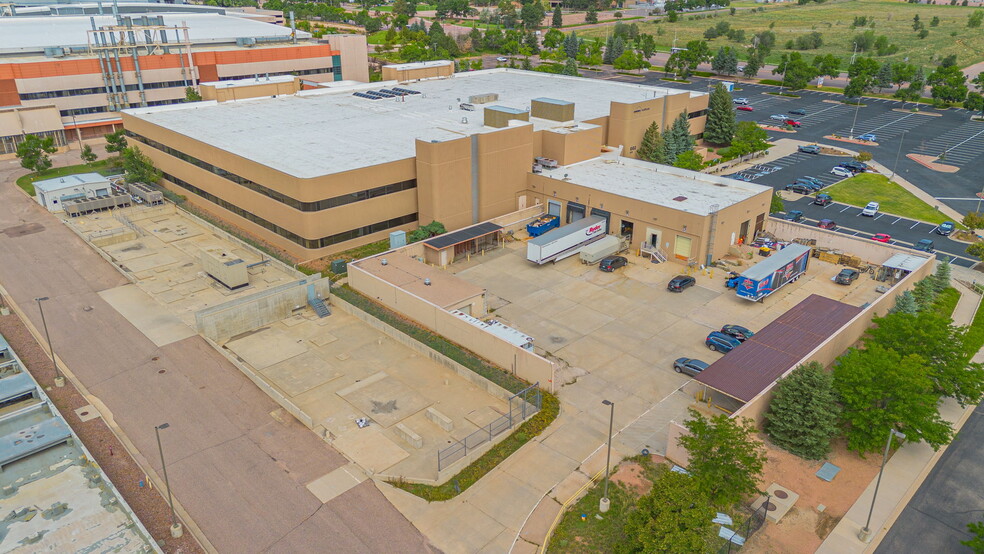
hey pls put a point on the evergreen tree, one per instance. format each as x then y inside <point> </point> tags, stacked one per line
<point>558,18</point>
<point>721,121</point>
<point>725,61</point>
<point>592,15</point>
<point>532,42</point>
<point>115,142</point>
<point>570,68</point>
<point>679,136</point>
<point>802,416</point>
<point>616,49</point>
<point>905,303</point>
<point>653,146</point>
<point>884,76</point>
<point>942,277</point>
<point>571,45</point>
<point>609,49</point>
<point>925,293</point>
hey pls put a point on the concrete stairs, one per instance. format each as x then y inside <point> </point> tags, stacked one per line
<point>319,307</point>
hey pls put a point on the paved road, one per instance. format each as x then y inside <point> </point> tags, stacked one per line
<point>936,518</point>
<point>906,132</point>
<point>239,472</point>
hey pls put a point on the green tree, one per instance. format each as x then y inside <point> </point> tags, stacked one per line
<point>905,303</point>
<point>796,73</point>
<point>689,160</point>
<point>630,60</point>
<point>33,152</point>
<point>87,155</point>
<point>949,84</point>
<point>974,102</point>
<point>879,390</point>
<point>614,48</point>
<point>591,16</point>
<point>138,167</point>
<point>974,20</point>
<point>679,138</point>
<point>884,76</point>
<point>976,542</point>
<point>685,62</point>
<point>777,205</point>
<point>671,16</point>
<point>924,293</point>
<point>803,412</point>
<point>531,14</point>
<point>932,337</point>
<point>646,45</point>
<point>553,39</point>
<point>725,62</point>
<point>941,279</point>
<point>115,142</point>
<point>977,250</point>
<point>192,95</point>
<point>749,138</point>
<point>827,65</point>
<point>675,516</point>
<point>570,68</point>
<point>726,459</point>
<point>753,65</point>
<point>862,76</point>
<point>974,220</point>
<point>572,45</point>
<point>653,147</point>
<point>721,122</point>
<point>558,18</point>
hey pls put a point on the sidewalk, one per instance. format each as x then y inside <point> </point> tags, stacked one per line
<point>905,470</point>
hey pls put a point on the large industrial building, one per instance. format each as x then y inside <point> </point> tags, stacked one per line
<point>67,76</point>
<point>320,171</point>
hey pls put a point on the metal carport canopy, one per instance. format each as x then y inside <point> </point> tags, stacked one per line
<point>905,262</point>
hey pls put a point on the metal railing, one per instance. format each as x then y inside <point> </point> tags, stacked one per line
<point>522,405</point>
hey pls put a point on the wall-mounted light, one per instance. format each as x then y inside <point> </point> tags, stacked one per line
<point>684,228</point>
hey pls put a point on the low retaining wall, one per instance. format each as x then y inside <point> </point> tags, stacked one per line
<point>224,321</point>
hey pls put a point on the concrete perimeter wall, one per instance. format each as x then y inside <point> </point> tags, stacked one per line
<point>524,364</point>
<point>224,321</point>
<point>869,250</point>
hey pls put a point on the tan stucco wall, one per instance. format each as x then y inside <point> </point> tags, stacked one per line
<point>444,182</point>
<point>505,158</point>
<point>568,148</point>
<point>355,59</point>
<point>258,90</point>
<point>394,73</point>
<point>629,121</point>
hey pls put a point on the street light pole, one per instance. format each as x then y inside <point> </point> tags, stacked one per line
<point>59,378</point>
<point>865,534</point>
<point>78,133</point>
<point>176,530</point>
<point>605,502</point>
<point>897,155</point>
<point>856,110</point>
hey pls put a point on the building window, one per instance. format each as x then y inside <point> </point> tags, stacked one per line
<point>293,237</point>
<point>315,206</point>
<point>700,113</point>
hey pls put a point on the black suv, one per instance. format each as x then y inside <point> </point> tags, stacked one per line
<point>737,331</point>
<point>680,282</point>
<point>799,188</point>
<point>793,215</point>
<point>823,199</point>
<point>847,276</point>
<point>612,263</point>
<point>690,366</point>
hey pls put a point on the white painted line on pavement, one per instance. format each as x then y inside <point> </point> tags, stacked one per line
<point>896,221</point>
<point>914,225</point>
<point>845,209</point>
<point>878,217</point>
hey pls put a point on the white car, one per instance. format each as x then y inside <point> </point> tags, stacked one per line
<point>871,209</point>
<point>502,59</point>
<point>742,101</point>
<point>842,172</point>
<point>778,117</point>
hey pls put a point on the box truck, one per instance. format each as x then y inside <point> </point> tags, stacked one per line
<point>567,240</point>
<point>781,268</point>
<point>599,250</point>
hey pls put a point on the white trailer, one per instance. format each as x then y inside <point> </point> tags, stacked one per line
<point>599,250</point>
<point>566,241</point>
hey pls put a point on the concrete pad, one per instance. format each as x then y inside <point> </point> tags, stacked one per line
<point>572,485</point>
<point>152,319</point>
<point>459,527</point>
<point>301,373</point>
<point>539,466</point>
<point>540,521</point>
<point>266,348</point>
<point>171,296</point>
<point>504,498</point>
<point>369,448</point>
<point>501,543</point>
<point>323,339</point>
<point>87,413</point>
<point>483,416</point>
<point>524,547</point>
<point>151,262</point>
<point>335,483</point>
<point>588,353</point>
<point>387,401</point>
<point>578,439</point>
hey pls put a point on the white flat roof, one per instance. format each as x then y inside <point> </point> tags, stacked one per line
<point>322,132</point>
<point>67,181</point>
<point>662,185</point>
<point>420,65</point>
<point>33,34</point>
<point>250,81</point>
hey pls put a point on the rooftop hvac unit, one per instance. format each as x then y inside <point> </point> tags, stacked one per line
<point>483,98</point>
<point>246,41</point>
<point>54,52</point>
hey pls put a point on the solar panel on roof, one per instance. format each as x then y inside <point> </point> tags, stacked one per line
<point>405,90</point>
<point>385,94</point>
<point>390,91</point>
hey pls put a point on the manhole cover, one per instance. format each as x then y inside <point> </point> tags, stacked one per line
<point>770,506</point>
<point>87,308</point>
<point>83,414</point>
<point>781,494</point>
<point>161,370</point>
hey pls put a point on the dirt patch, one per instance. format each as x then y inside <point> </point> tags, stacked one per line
<point>631,475</point>
<point>930,162</point>
<point>803,528</point>
<point>22,230</point>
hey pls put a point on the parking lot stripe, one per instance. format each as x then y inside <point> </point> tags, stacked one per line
<point>896,221</point>
<point>845,209</point>
<point>914,225</point>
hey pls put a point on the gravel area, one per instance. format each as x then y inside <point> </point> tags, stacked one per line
<point>151,508</point>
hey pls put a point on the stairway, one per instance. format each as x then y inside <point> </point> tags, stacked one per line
<point>319,307</point>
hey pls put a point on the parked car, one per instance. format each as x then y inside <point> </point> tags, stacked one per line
<point>680,282</point>
<point>792,123</point>
<point>925,245</point>
<point>842,172</point>
<point>871,209</point>
<point>881,237</point>
<point>778,117</point>
<point>869,137</point>
<point>857,167</point>
<point>690,366</point>
<point>827,224</point>
<point>611,263</point>
<point>742,101</point>
<point>793,215</point>
<point>823,199</point>
<point>945,228</point>
<point>719,342</point>
<point>847,276</point>
<point>737,331</point>
<point>741,69</point>
<point>745,108</point>
<point>809,148</point>
<point>813,180</point>
<point>502,59</point>
<point>797,111</point>
<point>809,183</point>
<point>799,188</point>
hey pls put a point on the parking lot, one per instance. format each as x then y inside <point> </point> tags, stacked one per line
<point>618,333</point>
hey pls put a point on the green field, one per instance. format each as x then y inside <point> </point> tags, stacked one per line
<point>833,19</point>
<point>871,187</point>
<point>101,167</point>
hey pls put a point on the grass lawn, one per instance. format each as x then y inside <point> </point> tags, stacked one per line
<point>871,187</point>
<point>379,37</point>
<point>833,19</point>
<point>100,166</point>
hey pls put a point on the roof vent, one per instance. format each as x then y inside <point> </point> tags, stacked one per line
<point>427,282</point>
<point>383,262</point>
<point>680,198</point>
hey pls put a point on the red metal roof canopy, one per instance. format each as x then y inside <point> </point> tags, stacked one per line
<point>751,368</point>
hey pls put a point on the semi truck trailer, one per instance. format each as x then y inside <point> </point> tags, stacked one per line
<point>781,268</point>
<point>566,241</point>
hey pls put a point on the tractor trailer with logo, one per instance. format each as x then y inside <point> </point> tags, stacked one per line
<point>781,268</point>
<point>566,241</point>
